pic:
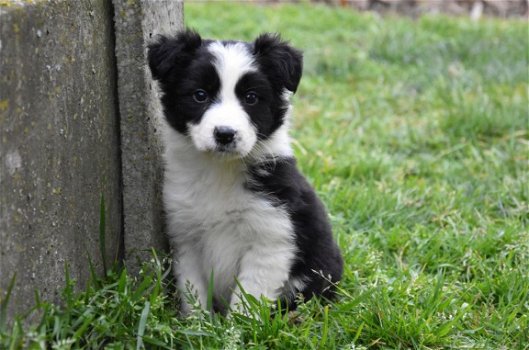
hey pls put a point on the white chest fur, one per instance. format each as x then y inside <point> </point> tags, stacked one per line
<point>216,226</point>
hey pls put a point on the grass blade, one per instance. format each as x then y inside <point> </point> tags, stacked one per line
<point>141,326</point>
<point>210,292</point>
<point>325,331</point>
<point>3,305</point>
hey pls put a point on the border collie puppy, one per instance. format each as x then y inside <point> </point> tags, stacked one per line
<point>239,212</point>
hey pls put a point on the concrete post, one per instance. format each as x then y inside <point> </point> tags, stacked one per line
<point>59,144</point>
<point>137,22</point>
<point>77,121</point>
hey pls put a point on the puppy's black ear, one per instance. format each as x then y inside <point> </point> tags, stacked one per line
<point>169,52</point>
<point>279,60</point>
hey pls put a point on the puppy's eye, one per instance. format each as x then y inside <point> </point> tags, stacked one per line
<point>251,98</point>
<point>200,96</point>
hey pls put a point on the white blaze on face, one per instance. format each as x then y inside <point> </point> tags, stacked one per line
<point>231,63</point>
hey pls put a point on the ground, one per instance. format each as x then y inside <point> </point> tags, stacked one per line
<point>415,135</point>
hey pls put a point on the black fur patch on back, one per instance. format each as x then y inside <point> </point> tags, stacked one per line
<point>318,260</point>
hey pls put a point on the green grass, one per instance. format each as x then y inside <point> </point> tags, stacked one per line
<point>415,134</point>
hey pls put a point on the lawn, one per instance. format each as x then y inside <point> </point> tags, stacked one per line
<point>415,135</point>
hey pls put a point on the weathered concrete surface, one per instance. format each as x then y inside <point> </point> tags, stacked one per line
<point>137,22</point>
<point>59,144</point>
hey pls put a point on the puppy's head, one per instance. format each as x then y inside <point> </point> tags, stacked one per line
<point>226,95</point>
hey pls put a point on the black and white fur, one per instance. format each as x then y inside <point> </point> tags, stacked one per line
<point>237,207</point>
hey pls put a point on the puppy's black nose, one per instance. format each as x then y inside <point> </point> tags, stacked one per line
<point>224,134</point>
